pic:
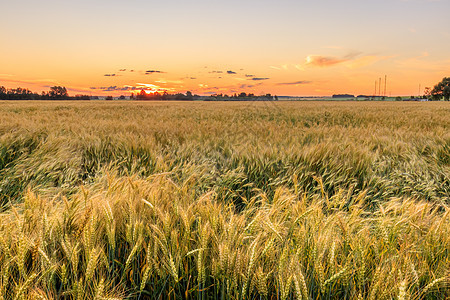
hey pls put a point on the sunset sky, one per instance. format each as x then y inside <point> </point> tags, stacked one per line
<point>283,47</point>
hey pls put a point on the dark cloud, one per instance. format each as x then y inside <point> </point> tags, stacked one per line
<point>295,82</point>
<point>248,86</point>
<point>259,78</point>
<point>107,88</point>
<point>218,72</point>
<point>109,75</point>
<point>153,71</point>
<point>114,88</point>
<point>231,72</point>
<point>122,70</point>
<point>247,75</point>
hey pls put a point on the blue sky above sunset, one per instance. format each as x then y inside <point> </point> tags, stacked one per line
<point>281,47</point>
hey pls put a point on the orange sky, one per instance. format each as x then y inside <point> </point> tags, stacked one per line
<point>285,47</point>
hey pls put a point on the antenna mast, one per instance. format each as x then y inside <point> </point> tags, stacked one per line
<point>379,87</point>
<point>375,92</point>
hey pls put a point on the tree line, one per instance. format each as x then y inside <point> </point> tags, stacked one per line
<point>242,97</point>
<point>55,93</point>
<point>143,95</point>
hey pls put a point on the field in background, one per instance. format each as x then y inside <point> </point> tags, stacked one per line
<point>237,200</point>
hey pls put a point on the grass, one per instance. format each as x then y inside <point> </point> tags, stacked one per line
<point>224,200</point>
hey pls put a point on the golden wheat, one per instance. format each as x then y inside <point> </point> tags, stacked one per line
<point>224,200</point>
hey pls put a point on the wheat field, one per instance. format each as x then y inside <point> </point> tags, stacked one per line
<point>242,200</point>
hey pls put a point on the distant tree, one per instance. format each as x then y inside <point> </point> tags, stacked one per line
<point>441,90</point>
<point>427,93</point>
<point>156,96</point>
<point>109,98</point>
<point>398,98</point>
<point>141,95</point>
<point>189,95</point>
<point>58,92</point>
<point>180,96</point>
<point>122,97</point>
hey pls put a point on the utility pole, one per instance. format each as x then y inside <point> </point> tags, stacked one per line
<point>385,81</point>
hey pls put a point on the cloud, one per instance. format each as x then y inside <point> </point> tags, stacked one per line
<point>231,72</point>
<point>136,87</point>
<point>247,86</point>
<point>111,88</point>
<point>122,70</point>
<point>259,78</point>
<point>150,86</point>
<point>152,72</point>
<point>351,60</point>
<point>217,72</point>
<point>49,82</point>
<point>328,61</point>
<point>246,75</point>
<point>282,67</point>
<point>109,75</point>
<point>323,61</point>
<point>295,82</point>
<point>165,81</point>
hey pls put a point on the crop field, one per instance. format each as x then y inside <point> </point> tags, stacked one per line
<point>241,200</point>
